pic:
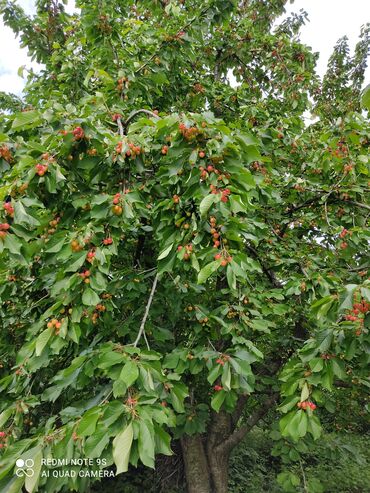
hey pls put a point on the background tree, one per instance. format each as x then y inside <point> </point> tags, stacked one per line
<point>180,255</point>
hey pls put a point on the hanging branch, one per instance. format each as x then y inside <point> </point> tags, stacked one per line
<point>142,325</point>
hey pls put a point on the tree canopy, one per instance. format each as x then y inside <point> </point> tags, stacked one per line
<point>180,252</point>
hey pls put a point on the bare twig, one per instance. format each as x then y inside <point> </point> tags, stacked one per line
<point>142,326</point>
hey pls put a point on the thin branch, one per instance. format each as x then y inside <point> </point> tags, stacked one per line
<point>142,326</point>
<point>120,127</point>
<point>238,435</point>
<point>358,204</point>
<point>268,272</point>
<point>135,113</point>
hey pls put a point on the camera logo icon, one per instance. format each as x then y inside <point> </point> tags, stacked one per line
<point>25,468</point>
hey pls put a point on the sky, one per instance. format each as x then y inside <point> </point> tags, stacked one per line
<point>328,21</point>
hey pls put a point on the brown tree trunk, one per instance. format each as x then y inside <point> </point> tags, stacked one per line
<point>207,464</point>
<point>206,457</point>
<point>196,465</point>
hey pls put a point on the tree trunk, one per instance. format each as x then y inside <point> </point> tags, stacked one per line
<point>196,465</point>
<point>206,464</point>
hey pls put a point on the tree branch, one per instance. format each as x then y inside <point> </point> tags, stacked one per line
<point>142,325</point>
<point>238,435</point>
<point>135,113</point>
<point>268,272</point>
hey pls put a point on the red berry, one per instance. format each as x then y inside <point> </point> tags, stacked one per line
<point>217,388</point>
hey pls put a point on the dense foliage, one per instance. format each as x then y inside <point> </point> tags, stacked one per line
<point>179,255</point>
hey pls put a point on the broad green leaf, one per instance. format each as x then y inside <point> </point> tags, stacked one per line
<point>207,271</point>
<point>21,216</point>
<point>90,298</point>
<point>129,373</point>
<point>305,392</point>
<point>42,340</point>
<point>26,119</point>
<point>207,202</point>
<point>146,443</point>
<point>365,97</point>
<point>32,481</point>
<point>122,447</point>
<point>217,400</point>
<point>96,443</point>
<point>88,422</point>
<point>165,252</point>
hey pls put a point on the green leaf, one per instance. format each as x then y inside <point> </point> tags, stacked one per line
<point>207,271</point>
<point>314,427</point>
<point>365,97</point>
<point>31,481</point>
<point>165,252</point>
<point>26,119</point>
<point>129,373</point>
<point>305,392</point>
<point>12,244</point>
<point>96,443</point>
<point>78,261</point>
<point>226,377</point>
<point>146,443</point>
<point>217,400</point>
<point>302,425</point>
<point>42,340</point>
<point>87,424</point>
<point>207,202</point>
<point>316,364</point>
<point>5,415</point>
<point>21,216</point>
<point>214,374</point>
<point>122,447</point>
<point>90,298</point>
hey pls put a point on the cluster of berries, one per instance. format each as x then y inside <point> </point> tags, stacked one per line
<point>107,241</point>
<point>132,151</point>
<point>5,153</point>
<point>76,247</point>
<point>224,257</point>
<point>54,323</point>
<point>9,209</point>
<point>78,133</point>
<point>117,209</point>
<point>224,192</point>
<point>340,152</point>
<point>90,256</point>
<point>3,229</point>
<point>116,116</point>
<point>188,251</point>
<point>214,233</point>
<point>355,314</point>
<point>85,276</point>
<point>217,388</point>
<point>122,83</point>
<point>98,309</point>
<point>222,359</point>
<point>189,133</point>
<point>2,439</point>
<point>41,169</point>
<point>306,404</point>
